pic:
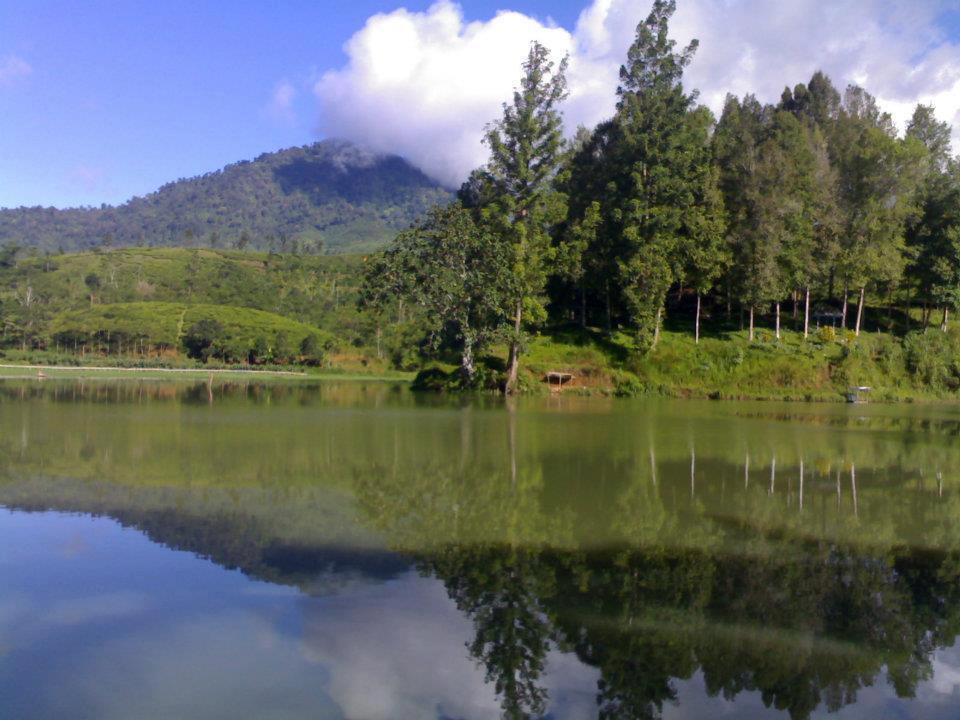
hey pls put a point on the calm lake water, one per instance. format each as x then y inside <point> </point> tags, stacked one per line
<point>354,551</point>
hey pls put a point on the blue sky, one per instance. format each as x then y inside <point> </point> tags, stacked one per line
<point>103,100</point>
<point>124,96</point>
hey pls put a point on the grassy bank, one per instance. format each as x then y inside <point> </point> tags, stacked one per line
<point>726,365</point>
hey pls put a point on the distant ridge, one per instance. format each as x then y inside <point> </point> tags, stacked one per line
<point>331,195</point>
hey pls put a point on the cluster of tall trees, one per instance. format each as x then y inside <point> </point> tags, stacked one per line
<point>815,198</point>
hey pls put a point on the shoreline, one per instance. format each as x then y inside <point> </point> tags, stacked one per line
<point>20,371</point>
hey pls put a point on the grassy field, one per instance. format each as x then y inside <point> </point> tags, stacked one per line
<point>920,366</point>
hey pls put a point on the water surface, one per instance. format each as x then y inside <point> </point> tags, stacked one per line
<point>355,551</point>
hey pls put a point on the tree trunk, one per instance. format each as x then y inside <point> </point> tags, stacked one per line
<point>751,323</point>
<point>696,325</point>
<point>860,310</point>
<point>890,319</point>
<point>656,328</point>
<point>583,306</point>
<point>609,318</point>
<point>846,301</point>
<point>806,312</point>
<point>795,304</point>
<point>946,317</point>
<point>729,303</point>
<point>466,361</point>
<point>778,319</point>
<point>513,363</point>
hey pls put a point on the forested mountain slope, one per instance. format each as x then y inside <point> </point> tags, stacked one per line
<point>331,196</point>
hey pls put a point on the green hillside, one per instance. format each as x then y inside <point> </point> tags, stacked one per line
<point>330,196</point>
<point>143,303</point>
<point>219,332</point>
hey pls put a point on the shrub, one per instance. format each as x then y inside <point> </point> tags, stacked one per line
<point>433,378</point>
<point>626,384</point>
<point>282,350</point>
<point>260,352</point>
<point>933,358</point>
<point>827,334</point>
<point>204,340</point>
<point>311,351</point>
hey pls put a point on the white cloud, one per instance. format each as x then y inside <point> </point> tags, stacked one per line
<point>13,68</point>
<point>87,177</point>
<point>280,107</point>
<point>423,85</point>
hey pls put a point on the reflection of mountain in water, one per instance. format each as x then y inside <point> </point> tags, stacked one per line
<point>803,561</point>
<point>238,529</point>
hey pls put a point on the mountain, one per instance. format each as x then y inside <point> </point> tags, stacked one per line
<point>331,196</point>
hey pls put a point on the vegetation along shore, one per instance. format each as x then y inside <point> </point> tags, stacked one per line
<point>778,251</point>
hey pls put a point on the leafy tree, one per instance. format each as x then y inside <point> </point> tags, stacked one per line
<point>737,145</point>
<point>259,351</point>
<point>934,235</point>
<point>312,351</point>
<point>879,177</point>
<point>703,250</point>
<point>457,271</point>
<point>8,255</point>
<point>282,349</point>
<point>205,339</point>
<point>573,252</point>
<point>92,281</point>
<point>526,148</point>
<point>658,166</point>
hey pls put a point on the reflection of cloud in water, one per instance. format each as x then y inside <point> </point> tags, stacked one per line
<point>76,545</point>
<point>227,666</point>
<point>95,608</point>
<point>24,621</point>
<point>401,653</point>
<point>946,671</point>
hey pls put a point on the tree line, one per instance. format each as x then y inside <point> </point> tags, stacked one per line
<point>814,199</point>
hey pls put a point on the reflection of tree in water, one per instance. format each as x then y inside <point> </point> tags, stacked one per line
<point>802,621</point>
<point>503,590</point>
<point>502,587</point>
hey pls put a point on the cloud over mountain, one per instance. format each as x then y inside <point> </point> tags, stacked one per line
<point>423,84</point>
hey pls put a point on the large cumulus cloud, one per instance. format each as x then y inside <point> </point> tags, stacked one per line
<point>424,84</point>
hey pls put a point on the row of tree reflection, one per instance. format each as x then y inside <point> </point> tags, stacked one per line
<point>805,606</point>
<point>802,557</point>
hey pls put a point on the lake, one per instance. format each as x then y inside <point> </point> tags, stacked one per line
<point>352,550</point>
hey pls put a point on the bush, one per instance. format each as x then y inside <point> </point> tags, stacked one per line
<point>204,340</point>
<point>282,350</point>
<point>627,385</point>
<point>827,334</point>
<point>933,358</point>
<point>311,351</point>
<point>260,352</point>
<point>433,378</point>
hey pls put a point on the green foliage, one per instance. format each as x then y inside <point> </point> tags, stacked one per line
<point>205,332</point>
<point>312,351</point>
<point>659,165</point>
<point>933,358</point>
<point>205,339</point>
<point>518,197</point>
<point>456,271</point>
